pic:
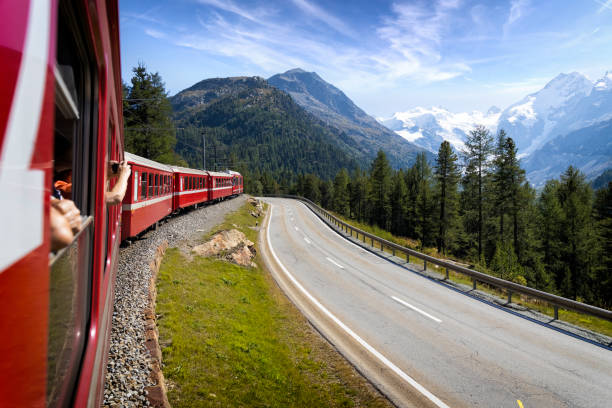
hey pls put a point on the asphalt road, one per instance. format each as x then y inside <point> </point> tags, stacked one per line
<point>420,342</point>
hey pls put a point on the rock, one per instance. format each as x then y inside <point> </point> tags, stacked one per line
<point>222,241</point>
<point>242,256</point>
<point>232,245</point>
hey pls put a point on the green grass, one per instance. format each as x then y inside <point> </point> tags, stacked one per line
<point>582,320</point>
<point>230,338</point>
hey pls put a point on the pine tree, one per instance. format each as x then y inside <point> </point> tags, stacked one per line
<point>478,148</point>
<point>358,191</point>
<point>412,192</point>
<point>311,188</point>
<point>447,177</point>
<point>549,230</point>
<point>424,201</point>
<point>499,178</point>
<point>515,177</point>
<point>341,200</point>
<point>327,193</point>
<point>380,181</point>
<point>603,217</point>
<point>398,202</point>
<point>576,199</point>
<point>147,117</point>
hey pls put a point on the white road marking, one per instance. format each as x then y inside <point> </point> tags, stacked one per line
<point>307,240</point>
<point>335,263</point>
<point>350,332</point>
<point>416,309</point>
<point>362,250</point>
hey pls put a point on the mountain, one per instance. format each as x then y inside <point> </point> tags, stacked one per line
<point>429,127</point>
<point>602,180</point>
<point>589,149</point>
<point>248,121</point>
<point>333,107</point>
<point>563,123</point>
<point>542,115</point>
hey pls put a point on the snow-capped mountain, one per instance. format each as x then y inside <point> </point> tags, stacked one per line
<point>429,127</point>
<point>570,106</point>
<point>542,115</point>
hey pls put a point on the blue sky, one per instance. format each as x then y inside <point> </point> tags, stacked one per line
<point>387,56</point>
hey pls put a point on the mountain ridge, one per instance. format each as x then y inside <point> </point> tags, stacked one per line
<point>332,106</point>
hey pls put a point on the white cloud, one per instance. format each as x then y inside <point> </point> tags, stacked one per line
<point>320,14</point>
<point>154,33</point>
<point>604,5</point>
<point>518,9</point>
<point>415,34</point>
<point>229,6</point>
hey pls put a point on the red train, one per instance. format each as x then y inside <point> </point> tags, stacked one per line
<point>61,116</point>
<point>157,190</point>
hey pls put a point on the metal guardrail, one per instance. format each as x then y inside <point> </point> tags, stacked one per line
<point>511,287</point>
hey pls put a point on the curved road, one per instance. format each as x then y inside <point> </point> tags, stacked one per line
<point>421,343</point>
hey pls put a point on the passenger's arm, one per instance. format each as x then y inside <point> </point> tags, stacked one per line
<point>65,222</point>
<point>116,194</point>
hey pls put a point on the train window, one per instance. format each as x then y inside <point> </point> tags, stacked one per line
<point>157,184</point>
<point>143,186</point>
<point>135,183</point>
<point>73,178</point>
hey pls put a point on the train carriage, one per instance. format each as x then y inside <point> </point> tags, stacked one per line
<point>60,120</point>
<point>237,184</point>
<point>220,185</point>
<point>191,187</point>
<point>149,195</point>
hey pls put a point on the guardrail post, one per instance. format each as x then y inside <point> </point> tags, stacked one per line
<point>509,297</point>
<point>393,251</point>
<point>446,274</point>
<point>407,257</point>
<point>372,242</point>
<point>424,265</point>
<point>473,283</point>
<point>556,312</point>
<point>364,239</point>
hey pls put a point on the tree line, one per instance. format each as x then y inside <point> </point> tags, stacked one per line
<point>478,206</point>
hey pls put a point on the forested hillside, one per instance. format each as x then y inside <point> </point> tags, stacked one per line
<point>257,129</point>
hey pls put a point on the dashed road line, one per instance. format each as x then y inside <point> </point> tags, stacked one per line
<point>416,309</point>
<point>335,263</point>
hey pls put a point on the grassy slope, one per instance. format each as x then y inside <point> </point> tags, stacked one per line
<point>229,337</point>
<point>578,319</point>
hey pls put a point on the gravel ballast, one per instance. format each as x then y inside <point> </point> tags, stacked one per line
<point>129,362</point>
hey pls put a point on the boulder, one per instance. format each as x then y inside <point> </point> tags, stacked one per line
<point>232,245</point>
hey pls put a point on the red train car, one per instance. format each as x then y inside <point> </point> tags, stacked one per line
<point>237,183</point>
<point>60,119</point>
<point>149,195</point>
<point>220,185</point>
<point>191,187</point>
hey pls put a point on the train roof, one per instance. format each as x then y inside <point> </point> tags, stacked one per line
<point>219,173</point>
<point>131,157</point>
<point>178,169</point>
<point>234,173</point>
